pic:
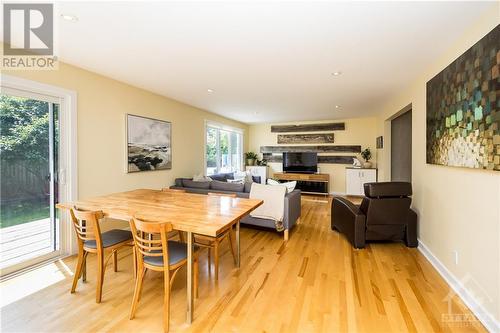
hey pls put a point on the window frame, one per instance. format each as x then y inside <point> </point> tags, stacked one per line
<point>221,127</point>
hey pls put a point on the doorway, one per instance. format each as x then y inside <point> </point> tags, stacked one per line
<point>401,130</point>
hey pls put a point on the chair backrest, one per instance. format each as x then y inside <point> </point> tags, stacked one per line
<point>229,195</point>
<point>86,225</point>
<point>386,203</point>
<point>151,238</point>
<point>173,190</point>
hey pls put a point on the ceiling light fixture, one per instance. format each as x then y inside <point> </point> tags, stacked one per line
<point>337,73</point>
<point>71,18</point>
<point>337,106</point>
<point>210,91</point>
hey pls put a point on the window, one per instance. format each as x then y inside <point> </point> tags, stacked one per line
<point>223,150</point>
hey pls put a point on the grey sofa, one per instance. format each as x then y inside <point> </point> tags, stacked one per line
<point>220,185</point>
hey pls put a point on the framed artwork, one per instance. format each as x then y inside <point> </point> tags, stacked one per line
<point>380,142</point>
<point>149,144</point>
<point>463,109</point>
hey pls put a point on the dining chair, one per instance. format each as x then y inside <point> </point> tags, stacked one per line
<point>91,240</point>
<point>174,233</point>
<point>213,243</point>
<point>155,252</point>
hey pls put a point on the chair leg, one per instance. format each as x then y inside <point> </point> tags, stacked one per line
<point>137,292</point>
<point>100,276</point>
<point>134,261</point>
<point>143,276</point>
<point>195,279</point>
<point>78,270</point>
<point>230,237</point>
<point>166,301</point>
<point>285,235</point>
<point>216,260</point>
<point>84,268</point>
<point>115,260</point>
<point>209,260</point>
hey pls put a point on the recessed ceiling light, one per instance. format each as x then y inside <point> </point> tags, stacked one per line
<point>71,18</point>
<point>210,91</point>
<point>337,106</point>
<point>337,73</point>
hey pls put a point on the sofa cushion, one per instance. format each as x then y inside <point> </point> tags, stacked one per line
<point>192,184</point>
<point>179,181</point>
<point>222,177</point>
<point>225,186</point>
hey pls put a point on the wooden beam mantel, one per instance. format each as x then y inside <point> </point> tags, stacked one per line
<point>308,127</point>
<point>321,159</point>
<point>305,138</point>
<point>311,149</point>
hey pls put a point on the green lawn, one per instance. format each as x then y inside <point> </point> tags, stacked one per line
<point>19,213</point>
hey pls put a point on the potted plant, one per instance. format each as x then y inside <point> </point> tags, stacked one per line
<point>250,157</point>
<point>367,155</point>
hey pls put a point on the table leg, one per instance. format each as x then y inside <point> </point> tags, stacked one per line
<point>238,244</point>
<point>190,277</point>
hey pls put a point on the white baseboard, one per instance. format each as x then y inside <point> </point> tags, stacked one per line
<point>486,318</point>
<point>338,193</point>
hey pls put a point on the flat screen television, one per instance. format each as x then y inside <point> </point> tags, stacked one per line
<point>300,162</point>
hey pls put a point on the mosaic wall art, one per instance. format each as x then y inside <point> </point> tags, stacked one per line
<point>463,109</point>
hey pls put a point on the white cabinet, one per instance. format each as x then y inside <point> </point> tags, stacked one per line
<point>258,171</point>
<point>356,178</point>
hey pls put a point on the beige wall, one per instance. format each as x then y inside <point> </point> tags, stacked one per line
<point>458,208</point>
<point>102,105</point>
<point>358,131</point>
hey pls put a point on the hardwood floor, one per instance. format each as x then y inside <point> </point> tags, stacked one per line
<point>314,283</point>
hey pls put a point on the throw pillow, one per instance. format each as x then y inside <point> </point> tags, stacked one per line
<point>290,186</point>
<point>239,175</point>
<point>273,182</point>
<point>201,178</point>
<point>236,181</point>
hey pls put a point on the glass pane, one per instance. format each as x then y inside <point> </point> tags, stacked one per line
<point>26,227</point>
<point>211,151</point>
<point>225,158</point>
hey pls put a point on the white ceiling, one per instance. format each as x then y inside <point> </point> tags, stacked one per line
<point>265,61</point>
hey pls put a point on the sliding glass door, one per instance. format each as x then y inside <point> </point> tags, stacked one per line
<point>29,156</point>
<point>223,150</point>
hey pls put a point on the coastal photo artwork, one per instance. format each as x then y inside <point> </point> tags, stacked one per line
<point>463,109</point>
<point>149,144</point>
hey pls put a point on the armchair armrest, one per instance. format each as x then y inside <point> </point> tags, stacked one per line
<point>292,209</point>
<point>411,229</point>
<point>347,218</point>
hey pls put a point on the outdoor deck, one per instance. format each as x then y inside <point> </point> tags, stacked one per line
<point>25,241</point>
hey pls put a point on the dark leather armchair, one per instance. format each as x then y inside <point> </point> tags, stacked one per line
<point>384,214</point>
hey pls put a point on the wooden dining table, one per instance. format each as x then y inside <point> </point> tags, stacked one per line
<point>188,212</point>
